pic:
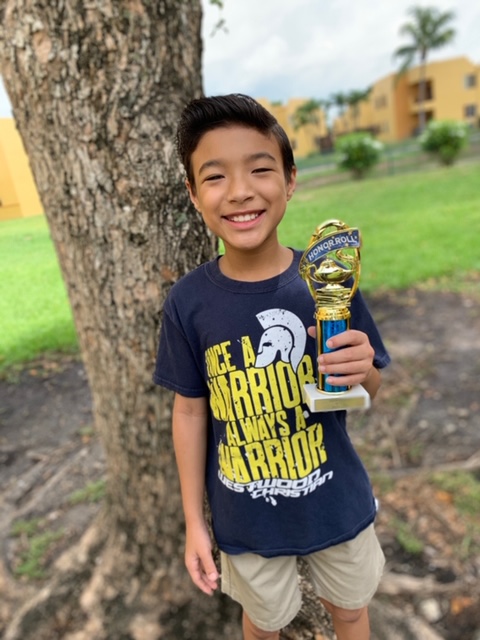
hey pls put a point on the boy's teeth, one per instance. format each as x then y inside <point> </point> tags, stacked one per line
<point>246,217</point>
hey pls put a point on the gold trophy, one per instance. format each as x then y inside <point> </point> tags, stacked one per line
<point>331,268</point>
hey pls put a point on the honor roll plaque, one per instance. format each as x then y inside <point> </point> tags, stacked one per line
<point>330,267</point>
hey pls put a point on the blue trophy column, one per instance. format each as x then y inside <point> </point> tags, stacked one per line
<point>327,329</point>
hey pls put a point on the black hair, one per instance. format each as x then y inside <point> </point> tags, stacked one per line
<point>208,113</point>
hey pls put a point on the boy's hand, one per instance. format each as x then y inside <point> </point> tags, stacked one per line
<point>199,559</point>
<point>352,362</point>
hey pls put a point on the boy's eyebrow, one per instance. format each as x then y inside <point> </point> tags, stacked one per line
<point>261,155</point>
<point>208,164</point>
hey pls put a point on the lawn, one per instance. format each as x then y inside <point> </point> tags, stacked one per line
<point>34,311</point>
<point>415,227</point>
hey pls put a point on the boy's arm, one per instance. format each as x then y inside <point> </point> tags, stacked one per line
<point>372,382</point>
<point>190,443</point>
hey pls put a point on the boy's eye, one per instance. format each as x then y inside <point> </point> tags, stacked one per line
<point>216,176</point>
<point>261,170</point>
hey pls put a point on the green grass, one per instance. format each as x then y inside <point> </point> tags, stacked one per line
<point>35,544</point>
<point>92,492</point>
<point>416,228</point>
<point>406,537</point>
<point>465,490</point>
<point>34,311</point>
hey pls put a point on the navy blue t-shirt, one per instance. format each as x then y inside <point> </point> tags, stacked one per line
<point>280,479</point>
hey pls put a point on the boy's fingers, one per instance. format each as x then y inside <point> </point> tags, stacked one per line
<point>344,366</point>
<point>351,338</point>
<point>205,574</point>
<point>201,581</point>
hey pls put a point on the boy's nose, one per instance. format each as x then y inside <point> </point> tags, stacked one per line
<point>239,189</point>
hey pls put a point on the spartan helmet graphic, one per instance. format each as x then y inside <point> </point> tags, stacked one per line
<point>284,334</point>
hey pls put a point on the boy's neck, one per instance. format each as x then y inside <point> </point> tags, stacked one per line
<point>255,266</point>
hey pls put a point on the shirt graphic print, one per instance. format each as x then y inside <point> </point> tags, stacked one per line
<point>269,448</point>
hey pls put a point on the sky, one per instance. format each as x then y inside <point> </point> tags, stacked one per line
<point>278,49</point>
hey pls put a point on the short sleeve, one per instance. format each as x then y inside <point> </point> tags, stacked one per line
<point>178,366</point>
<point>362,321</point>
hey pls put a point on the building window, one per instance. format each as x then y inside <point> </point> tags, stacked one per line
<point>380,102</point>
<point>470,80</point>
<point>470,110</point>
<point>427,91</point>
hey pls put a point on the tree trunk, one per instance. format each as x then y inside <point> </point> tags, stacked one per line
<point>422,91</point>
<point>96,89</point>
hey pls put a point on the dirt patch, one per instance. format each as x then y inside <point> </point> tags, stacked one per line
<point>421,444</point>
<point>421,436</point>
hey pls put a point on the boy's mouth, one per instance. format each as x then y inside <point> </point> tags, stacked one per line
<point>243,217</point>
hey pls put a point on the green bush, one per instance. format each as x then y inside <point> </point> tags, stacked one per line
<point>444,139</point>
<point>359,152</point>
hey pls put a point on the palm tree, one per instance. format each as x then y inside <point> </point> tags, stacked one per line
<point>339,100</point>
<point>354,98</point>
<point>429,29</point>
<point>326,106</point>
<point>313,112</point>
<point>307,113</point>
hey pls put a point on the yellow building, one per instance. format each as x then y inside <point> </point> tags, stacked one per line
<point>392,109</point>
<point>18,194</point>
<point>306,139</point>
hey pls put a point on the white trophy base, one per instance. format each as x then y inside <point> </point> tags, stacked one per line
<point>355,398</point>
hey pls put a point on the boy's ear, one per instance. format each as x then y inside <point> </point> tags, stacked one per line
<point>292,183</point>
<point>191,193</point>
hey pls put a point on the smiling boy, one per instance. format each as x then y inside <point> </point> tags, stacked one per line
<point>282,482</point>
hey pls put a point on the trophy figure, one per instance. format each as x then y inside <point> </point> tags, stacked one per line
<point>330,267</point>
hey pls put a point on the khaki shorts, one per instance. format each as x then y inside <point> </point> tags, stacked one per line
<point>346,575</point>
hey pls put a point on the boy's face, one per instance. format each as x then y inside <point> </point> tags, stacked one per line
<point>240,186</point>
